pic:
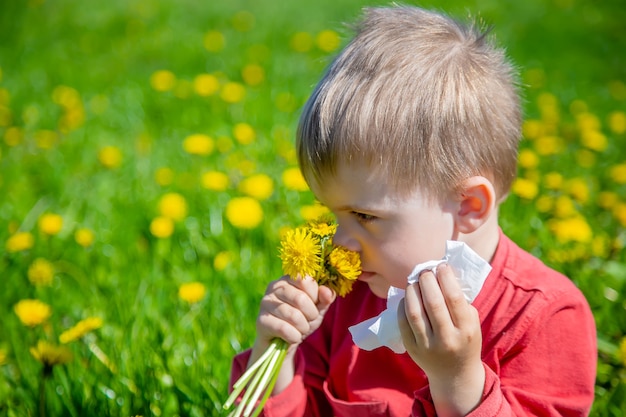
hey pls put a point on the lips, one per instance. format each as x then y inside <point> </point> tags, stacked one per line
<point>366,276</point>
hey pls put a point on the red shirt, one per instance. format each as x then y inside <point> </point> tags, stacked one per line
<point>539,353</point>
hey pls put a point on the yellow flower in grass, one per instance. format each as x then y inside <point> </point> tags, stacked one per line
<point>293,179</point>
<point>214,41</point>
<point>300,253</point>
<point>50,223</point>
<point>617,122</point>
<point>222,260</point>
<point>192,292</point>
<point>20,241</point>
<point>50,355</point>
<point>198,144</point>
<point>244,212</point>
<point>244,133</point>
<point>594,140</point>
<point>32,312</point>
<point>84,237</point>
<point>215,180</point>
<point>206,85</point>
<point>80,329</point>
<point>163,80</point>
<point>549,145</point>
<point>618,173</point>
<point>173,206</point>
<point>525,188</point>
<point>553,180</point>
<point>162,227</point>
<point>327,40</point>
<point>164,176</point>
<point>259,186</point>
<point>41,272</point>
<point>528,159</point>
<point>253,74</point>
<point>110,157</point>
<point>301,42</point>
<point>233,92</point>
<point>313,211</point>
<point>573,229</point>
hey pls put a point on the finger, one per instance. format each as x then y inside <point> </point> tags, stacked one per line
<point>291,292</point>
<point>416,314</point>
<point>325,298</point>
<point>453,295</point>
<point>434,303</point>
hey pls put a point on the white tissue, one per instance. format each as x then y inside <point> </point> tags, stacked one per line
<point>471,271</point>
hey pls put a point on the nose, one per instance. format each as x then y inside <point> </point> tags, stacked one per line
<point>344,238</point>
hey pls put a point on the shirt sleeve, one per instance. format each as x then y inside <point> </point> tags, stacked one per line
<point>551,372</point>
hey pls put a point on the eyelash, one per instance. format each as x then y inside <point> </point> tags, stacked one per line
<point>362,217</point>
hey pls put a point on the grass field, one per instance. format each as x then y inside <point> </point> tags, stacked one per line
<point>147,167</point>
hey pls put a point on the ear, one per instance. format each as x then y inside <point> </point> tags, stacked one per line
<point>476,203</point>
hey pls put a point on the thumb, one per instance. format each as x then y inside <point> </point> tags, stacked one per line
<point>325,298</point>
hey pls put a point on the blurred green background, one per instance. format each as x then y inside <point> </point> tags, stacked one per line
<point>148,145</point>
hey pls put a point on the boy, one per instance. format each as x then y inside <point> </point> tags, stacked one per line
<point>411,140</point>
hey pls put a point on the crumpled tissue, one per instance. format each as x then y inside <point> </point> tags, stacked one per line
<point>471,271</point>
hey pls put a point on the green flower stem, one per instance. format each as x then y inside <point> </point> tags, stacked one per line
<point>259,379</point>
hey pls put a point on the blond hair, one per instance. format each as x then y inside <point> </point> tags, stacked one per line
<point>418,97</point>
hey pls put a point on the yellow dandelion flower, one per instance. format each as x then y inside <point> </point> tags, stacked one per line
<point>66,96</point>
<point>244,133</point>
<point>313,212</point>
<point>259,186</point>
<point>173,206</point>
<point>233,92</point>
<point>214,41</point>
<point>192,292</point>
<point>617,122</point>
<point>20,241</point>
<point>215,181</point>
<point>206,85</point>
<point>301,42</point>
<point>110,156</point>
<point>80,329</point>
<point>549,145</point>
<point>50,355</point>
<point>564,207</point>
<point>6,116</point>
<point>84,237</point>
<point>327,40</point>
<point>600,246</point>
<point>347,263</point>
<point>50,223</point>
<point>198,144</point>
<point>46,139</point>
<point>525,188</point>
<point>578,189</point>
<point>553,181</point>
<point>222,260</point>
<point>619,212</point>
<point>300,252</point>
<point>528,159</point>
<point>41,272</point>
<point>607,199</point>
<point>293,179</point>
<point>618,173</point>
<point>32,312</point>
<point>532,129</point>
<point>253,74</point>
<point>162,227</point>
<point>13,136</point>
<point>323,229</point>
<point>573,229</point>
<point>244,212</point>
<point>164,176</point>
<point>585,158</point>
<point>587,121</point>
<point>544,203</point>
<point>594,140</point>
<point>163,80</point>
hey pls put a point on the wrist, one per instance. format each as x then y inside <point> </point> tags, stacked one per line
<point>459,394</point>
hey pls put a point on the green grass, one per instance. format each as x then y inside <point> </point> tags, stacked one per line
<point>172,358</point>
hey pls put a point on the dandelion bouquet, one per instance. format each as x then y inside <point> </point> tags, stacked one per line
<point>304,251</point>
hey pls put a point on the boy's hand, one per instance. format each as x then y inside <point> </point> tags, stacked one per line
<point>292,310</point>
<point>441,332</point>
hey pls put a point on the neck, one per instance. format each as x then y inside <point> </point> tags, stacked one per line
<point>484,240</point>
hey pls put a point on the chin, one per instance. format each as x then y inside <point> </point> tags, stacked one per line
<point>379,290</point>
